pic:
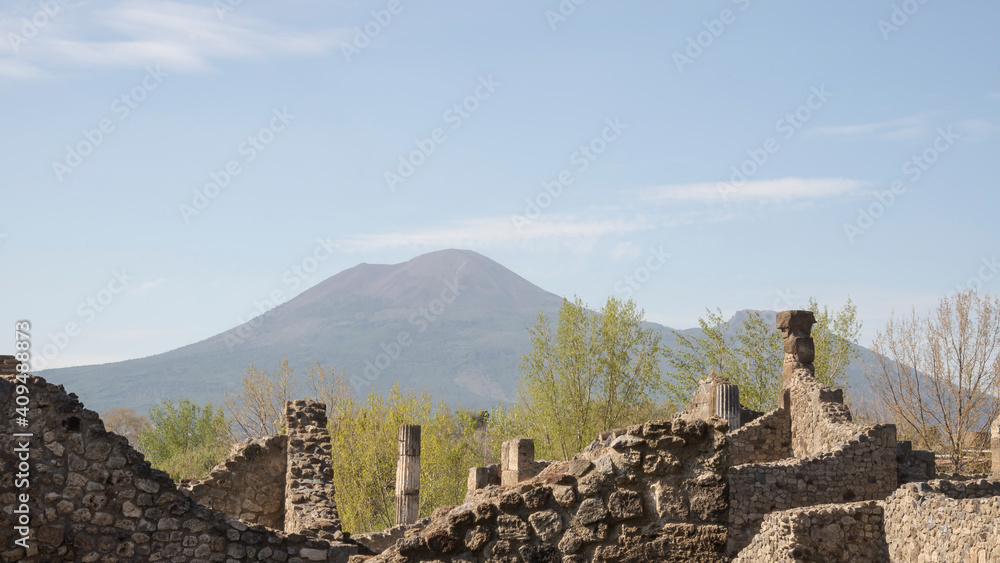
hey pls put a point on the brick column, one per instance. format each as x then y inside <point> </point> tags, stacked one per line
<point>995,445</point>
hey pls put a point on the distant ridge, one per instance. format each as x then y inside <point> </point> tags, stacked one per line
<point>452,322</point>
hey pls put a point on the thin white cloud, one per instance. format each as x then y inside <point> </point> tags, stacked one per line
<point>627,250</point>
<point>904,128</point>
<point>143,288</point>
<point>781,189</point>
<point>134,33</point>
<point>491,231</point>
<point>994,95</point>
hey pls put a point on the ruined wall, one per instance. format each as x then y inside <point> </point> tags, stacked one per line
<point>863,468</point>
<point>657,492</point>
<point>830,532</point>
<point>249,485</point>
<point>820,420</point>
<point>944,521</point>
<point>310,504</point>
<point>88,496</point>
<point>767,438</point>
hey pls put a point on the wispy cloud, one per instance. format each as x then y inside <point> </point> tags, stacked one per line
<point>781,189</point>
<point>143,288</point>
<point>994,95</point>
<point>491,231</point>
<point>133,33</point>
<point>910,127</point>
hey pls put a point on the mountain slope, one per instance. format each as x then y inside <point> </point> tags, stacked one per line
<point>451,321</point>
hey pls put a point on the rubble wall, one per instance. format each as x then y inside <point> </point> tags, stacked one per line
<point>829,532</point>
<point>249,485</point>
<point>767,438</point>
<point>944,521</point>
<point>87,496</point>
<point>656,492</point>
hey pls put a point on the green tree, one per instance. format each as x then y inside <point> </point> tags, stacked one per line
<point>600,370</point>
<point>185,440</point>
<point>751,355</point>
<point>835,336</point>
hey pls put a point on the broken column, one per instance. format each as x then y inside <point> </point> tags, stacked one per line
<point>995,445</point>
<point>408,474</point>
<point>727,404</point>
<point>517,461</point>
<point>310,508</point>
<point>796,327</point>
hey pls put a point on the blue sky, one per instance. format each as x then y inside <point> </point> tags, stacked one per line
<point>167,166</point>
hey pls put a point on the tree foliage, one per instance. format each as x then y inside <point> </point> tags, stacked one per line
<point>257,409</point>
<point>596,372</point>
<point>938,376</point>
<point>186,440</point>
<point>751,355</point>
<point>365,437</point>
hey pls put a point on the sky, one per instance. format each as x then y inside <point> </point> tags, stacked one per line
<point>168,167</point>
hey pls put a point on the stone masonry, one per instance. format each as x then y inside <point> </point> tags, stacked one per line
<point>995,446</point>
<point>653,492</point>
<point>310,506</point>
<point>87,496</point>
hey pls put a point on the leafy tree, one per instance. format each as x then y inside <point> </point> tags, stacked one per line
<point>364,439</point>
<point>938,376</point>
<point>185,440</point>
<point>598,371</point>
<point>258,408</point>
<point>751,357</point>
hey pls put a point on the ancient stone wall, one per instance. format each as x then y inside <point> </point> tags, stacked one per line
<point>944,521</point>
<point>87,496</point>
<point>829,532</point>
<point>310,505</point>
<point>249,485</point>
<point>656,492</point>
<point>820,420</point>
<point>863,468</point>
<point>767,438</point>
